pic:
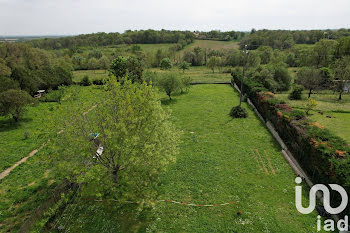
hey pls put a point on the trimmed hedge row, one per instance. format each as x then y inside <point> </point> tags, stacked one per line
<point>324,156</point>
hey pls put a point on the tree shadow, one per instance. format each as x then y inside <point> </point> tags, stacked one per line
<point>8,124</point>
<point>168,102</point>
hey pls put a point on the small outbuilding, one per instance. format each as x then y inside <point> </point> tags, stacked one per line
<point>39,94</point>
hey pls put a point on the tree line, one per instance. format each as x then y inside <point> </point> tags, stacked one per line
<point>115,38</point>
<point>285,39</point>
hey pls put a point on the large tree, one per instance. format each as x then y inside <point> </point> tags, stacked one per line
<point>13,102</point>
<point>131,66</point>
<point>121,147</point>
<point>213,62</point>
<point>342,74</point>
<point>310,78</point>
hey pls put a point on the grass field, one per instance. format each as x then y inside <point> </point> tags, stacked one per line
<point>78,75</point>
<point>218,163</point>
<point>198,74</point>
<point>330,112</point>
<point>27,186</point>
<point>210,44</point>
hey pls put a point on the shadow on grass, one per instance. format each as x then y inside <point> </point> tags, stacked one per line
<point>9,124</point>
<point>168,102</point>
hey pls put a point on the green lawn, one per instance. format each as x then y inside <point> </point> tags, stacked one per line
<point>78,75</point>
<point>330,112</point>
<point>29,184</point>
<point>200,74</point>
<point>211,44</point>
<point>216,164</point>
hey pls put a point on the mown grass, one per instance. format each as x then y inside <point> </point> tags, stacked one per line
<point>330,112</point>
<point>210,44</point>
<point>216,165</point>
<point>199,74</point>
<point>78,75</point>
<point>29,184</point>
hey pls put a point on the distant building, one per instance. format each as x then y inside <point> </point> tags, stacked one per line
<point>347,87</point>
<point>39,94</point>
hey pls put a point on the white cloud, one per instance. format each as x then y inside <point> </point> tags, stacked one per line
<point>23,17</point>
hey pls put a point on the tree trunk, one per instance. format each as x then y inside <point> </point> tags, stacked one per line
<point>340,93</point>
<point>310,93</point>
<point>115,176</point>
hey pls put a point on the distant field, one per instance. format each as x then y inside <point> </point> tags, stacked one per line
<point>211,44</point>
<point>78,75</point>
<point>330,112</point>
<point>199,74</point>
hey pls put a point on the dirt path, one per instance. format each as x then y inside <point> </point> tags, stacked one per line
<point>23,160</point>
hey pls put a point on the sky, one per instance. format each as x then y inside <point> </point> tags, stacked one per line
<point>72,17</point>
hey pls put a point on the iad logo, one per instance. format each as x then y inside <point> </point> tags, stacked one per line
<point>326,198</point>
<point>329,224</point>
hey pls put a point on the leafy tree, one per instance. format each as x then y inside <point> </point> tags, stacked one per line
<point>25,79</point>
<point>343,47</point>
<point>13,102</point>
<point>282,77</point>
<point>184,66</point>
<point>296,93</point>
<point>253,59</point>
<point>4,69</point>
<point>169,83</point>
<point>265,53</point>
<point>104,62</point>
<point>93,64</point>
<point>341,74</point>
<point>185,83</point>
<point>213,62</point>
<point>323,52</point>
<point>135,48</point>
<point>309,78</point>
<point>95,53</point>
<point>310,105</point>
<point>198,58</point>
<point>234,58</point>
<point>136,141</point>
<point>7,83</point>
<point>165,64</point>
<point>85,81</point>
<point>121,66</point>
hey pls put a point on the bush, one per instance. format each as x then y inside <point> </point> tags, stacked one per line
<point>238,112</point>
<point>97,82</point>
<point>311,104</point>
<point>296,93</point>
<point>169,83</point>
<point>297,114</point>
<point>185,83</point>
<point>85,81</point>
<point>165,64</point>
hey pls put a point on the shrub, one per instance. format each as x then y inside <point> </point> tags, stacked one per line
<point>297,114</point>
<point>165,64</point>
<point>170,83</point>
<point>85,81</point>
<point>238,112</point>
<point>97,82</point>
<point>26,135</point>
<point>185,83</point>
<point>311,104</point>
<point>296,93</point>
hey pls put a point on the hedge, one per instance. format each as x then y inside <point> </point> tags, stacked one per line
<point>322,155</point>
